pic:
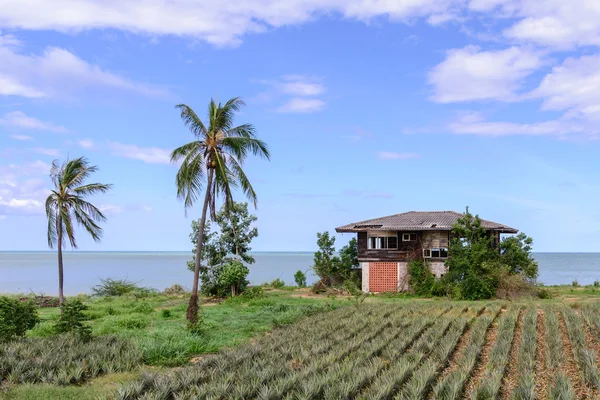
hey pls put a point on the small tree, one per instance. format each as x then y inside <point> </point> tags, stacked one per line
<point>233,275</point>
<point>349,261</point>
<point>72,319</point>
<point>326,263</point>
<point>16,318</point>
<point>222,247</point>
<point>300,278</point>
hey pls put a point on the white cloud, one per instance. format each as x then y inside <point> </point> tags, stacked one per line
<point>18,119</point>
<point>391,155</point>
<point>558,24</point>
<point>21,137</point>
<point>119,209</point>
<point>19,193</point>
<point>302,105</point>
<point>470,73</point>
<point>498,129</point>
<point>58,73</point>
<point>149,155</point>
<point>216,22</point>
<point>46,151</point>
<point>573,86</point>
<point>299,85</point>
<point>86,144</point>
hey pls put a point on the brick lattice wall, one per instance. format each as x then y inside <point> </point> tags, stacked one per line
<point>383,277</point>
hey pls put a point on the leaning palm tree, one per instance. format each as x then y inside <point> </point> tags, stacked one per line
<point>66,204</point>
<point>213,162</point>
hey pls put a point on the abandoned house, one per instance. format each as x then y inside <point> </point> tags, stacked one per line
<point>386,244</point>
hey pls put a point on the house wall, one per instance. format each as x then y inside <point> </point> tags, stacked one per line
<point>438,268</point>
<point>435,239</point>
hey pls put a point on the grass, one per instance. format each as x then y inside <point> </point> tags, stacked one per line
<point>164,340</point>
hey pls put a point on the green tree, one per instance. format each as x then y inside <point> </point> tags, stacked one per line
<point>233,275</point>
<point>349,261</point>
<point>516,254</point>
<point>66,204</point>
<point>237,231</point>
<point>16,317</point>
<point>472,258</point>
<point>213,162</point>
<point>230,242</point>
<point>326,262</point>
<point>300,278</point>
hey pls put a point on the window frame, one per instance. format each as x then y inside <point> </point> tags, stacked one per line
<point>409,234</point>
<point>381,241</point>
<point>428,253</point>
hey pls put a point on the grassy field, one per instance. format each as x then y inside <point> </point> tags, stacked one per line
<point>390,347</point>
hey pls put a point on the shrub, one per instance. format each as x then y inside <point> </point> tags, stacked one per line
<point>165,313</point>
<point>300,279</point>
<point>72,318</point>
<point>114,287</point>
<point>575,283</point>
<point>174,290</point>
<point>254,292</point>
<point>544,293</point>
<point>16,318</point>
<point>233,275</point>
<point>421,280</point>
<point>596,283</point>
<point>276,284</point>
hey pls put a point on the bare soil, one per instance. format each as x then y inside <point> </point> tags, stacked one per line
<point>569,366</point>
<point>511,376</point>
<point>541,373</point>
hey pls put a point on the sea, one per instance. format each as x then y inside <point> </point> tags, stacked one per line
<point>36,272</point>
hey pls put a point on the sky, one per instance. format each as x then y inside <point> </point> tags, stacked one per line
<point>369,108</point>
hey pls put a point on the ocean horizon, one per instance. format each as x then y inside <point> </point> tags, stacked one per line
<point>35,271</point>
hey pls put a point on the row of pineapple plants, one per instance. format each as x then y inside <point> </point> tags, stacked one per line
<point>452,386</point>
<point>586,358</point>
<point>561,388</point>
<point>294,358</point>
<point>489,385</point>
<point>525,389</point>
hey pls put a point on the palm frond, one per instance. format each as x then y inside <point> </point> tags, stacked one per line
<point>192,121</point>
<point>89,209</point>
<point>190,178</point>
<point>92,188</point>
<point>66,223</point>
<point>243,180</point>
<point>224,179</point>
<point>87,221</point>
<point>51,215</point>
<point>187,149</point>
<point>239,146</point>
<point>76,171</point>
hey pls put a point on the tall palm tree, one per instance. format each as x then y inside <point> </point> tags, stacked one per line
<point>213,162</point>
<point>66,204</point>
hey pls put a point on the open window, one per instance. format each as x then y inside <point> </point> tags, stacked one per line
<point>382,242</point>
<point>438,252</point>
<point>409,237</point>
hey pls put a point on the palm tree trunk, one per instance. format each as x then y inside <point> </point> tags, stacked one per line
<point>61,297</point>
<point>192,310</point>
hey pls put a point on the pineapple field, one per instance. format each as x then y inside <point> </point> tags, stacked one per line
<point>420,350</point>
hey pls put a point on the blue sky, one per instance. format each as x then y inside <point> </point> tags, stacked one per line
<point>369,107</point>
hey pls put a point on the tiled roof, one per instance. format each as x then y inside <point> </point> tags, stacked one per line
<point>418,221</point>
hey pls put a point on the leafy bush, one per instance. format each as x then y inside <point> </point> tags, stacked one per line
<point>332,269</point>
<point>421,280</point>
<point>72,318</point>
<point>575,283</point>
<point>174,290</point>
<point>596,283</point>
<point>115,287</point>
<point>544,293</point>
<point>233,275</point>
<point>165,313</point>
<point>300,279</point>
<point>275,284</point>
<point>16,318</point>
<point>254,292</point>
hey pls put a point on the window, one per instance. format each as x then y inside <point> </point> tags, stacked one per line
<point>382,242</point>
<point>441,252</point>
<point>409,237</point>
